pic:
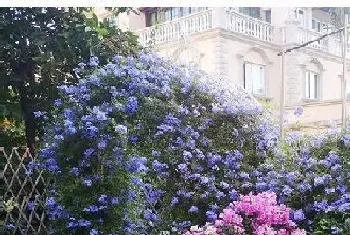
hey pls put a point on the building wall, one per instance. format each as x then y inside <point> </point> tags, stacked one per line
<point>221,52</point>
<point>330,70</point>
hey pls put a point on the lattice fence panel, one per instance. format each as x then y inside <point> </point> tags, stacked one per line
<point>22,195</point>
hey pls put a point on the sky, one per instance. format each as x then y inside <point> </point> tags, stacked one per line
<point>171,3</point>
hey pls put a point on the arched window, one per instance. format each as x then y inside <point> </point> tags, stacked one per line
<point>255,70</point>
<point>312,80</point>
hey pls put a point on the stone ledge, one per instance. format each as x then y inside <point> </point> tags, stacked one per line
<point>318,103</point>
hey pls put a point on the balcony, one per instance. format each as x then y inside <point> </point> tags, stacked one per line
<point>330,44</point>
<point>294,32</point>
<point>203,21</point>
<point>250,26</point>
<point>175,29</point>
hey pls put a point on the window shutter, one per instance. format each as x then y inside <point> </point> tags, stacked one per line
<point>256,74</point>
<point>307,85</point>
<point>262,80</point>
<point>312,86</point>
<point>316,88</point>
<point>248,83</point>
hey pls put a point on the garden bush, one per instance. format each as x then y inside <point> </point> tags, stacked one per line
<point>159,147</point>
<point>312,177</point>
<point>140,146</point>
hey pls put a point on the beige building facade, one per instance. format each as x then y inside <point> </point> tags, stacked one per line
<point>240,45</point>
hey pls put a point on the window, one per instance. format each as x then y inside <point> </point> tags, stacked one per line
<point>160,16</point>
<point>268,16</point>
<point>251,11</point>
<point>175,12</point>
<point>233,8</point>
<point>312,86</point>
<point>320,26</point>
<point>298,14</point>
<point>167,15</point>
<point>151,19</point>
<point>348,89</point>
<point>194,9</point>
<point>254,78</point>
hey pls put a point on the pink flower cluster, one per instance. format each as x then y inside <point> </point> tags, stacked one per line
<point>262,211</point>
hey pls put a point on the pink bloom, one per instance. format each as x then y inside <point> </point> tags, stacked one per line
<point>264,230</point>
<point>298,232</point>
<point>219,223</point>
<point>267,214</point>
<point>283,232</point>
<point>230,217</point>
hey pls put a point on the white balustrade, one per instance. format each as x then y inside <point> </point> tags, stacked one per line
<point>175,29</point>
<point>283,35</point>
<point>331,44</point>
<point>239,24</point>
<point>335,46</point>
<point>246,25</point>
<point>305,35</point>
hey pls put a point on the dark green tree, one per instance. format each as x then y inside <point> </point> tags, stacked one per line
<point>40,47</point>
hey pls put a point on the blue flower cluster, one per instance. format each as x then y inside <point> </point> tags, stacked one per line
<point>151,145</point>
<point>159,147</point>
<point>313,179</point>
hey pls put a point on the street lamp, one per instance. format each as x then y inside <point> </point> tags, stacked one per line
<point>345,47</point>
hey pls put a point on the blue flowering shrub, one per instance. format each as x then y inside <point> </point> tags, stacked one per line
<point>141,146</point>
<point>312,177</point>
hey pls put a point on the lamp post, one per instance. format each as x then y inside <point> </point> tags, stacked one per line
<point>282,100</point>
<point>344,80</point>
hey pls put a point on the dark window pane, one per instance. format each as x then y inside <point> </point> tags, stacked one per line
<point>268,16</point>
<point>167,15</point>
<point>251,11</point>
<point>175,11</point>
<point>319,26</point>
<point>316,86</point>
<point>185,11</point>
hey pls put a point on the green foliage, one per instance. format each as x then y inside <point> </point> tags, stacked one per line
<point>39,47</point>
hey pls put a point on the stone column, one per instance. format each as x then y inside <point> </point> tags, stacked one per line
<point>292,32</point>
<point>219,17</point>
<point>308,17</point>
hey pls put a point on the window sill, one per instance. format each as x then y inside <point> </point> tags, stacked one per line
<point>310,100</point>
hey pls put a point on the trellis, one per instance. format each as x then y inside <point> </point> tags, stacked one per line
<point>22,194</point>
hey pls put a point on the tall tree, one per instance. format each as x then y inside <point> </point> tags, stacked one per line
<point>40,47</point>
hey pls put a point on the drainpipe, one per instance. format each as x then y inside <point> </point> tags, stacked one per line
<point>345,47</point>
<point>282,99</point>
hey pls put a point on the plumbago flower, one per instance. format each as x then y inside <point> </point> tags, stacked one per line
<point>252,214</point>
<point>312,177</point>
<point>151,145</point>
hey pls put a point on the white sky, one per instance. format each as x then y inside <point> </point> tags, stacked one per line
<point>171,3</point>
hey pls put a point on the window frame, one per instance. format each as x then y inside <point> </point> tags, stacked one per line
<point>307,86</point>
<point>347,89</point>
<point>320,26</point>
<point>262,77</point>
<point>169,14</point>
<point>250,10</point>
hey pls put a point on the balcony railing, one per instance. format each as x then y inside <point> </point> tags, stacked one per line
<point>238,23</point>
<point>305,35</point>
<point>331,44</point>
<point>242,24</point>
<point>202,21</point>
<point>175,29</point>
